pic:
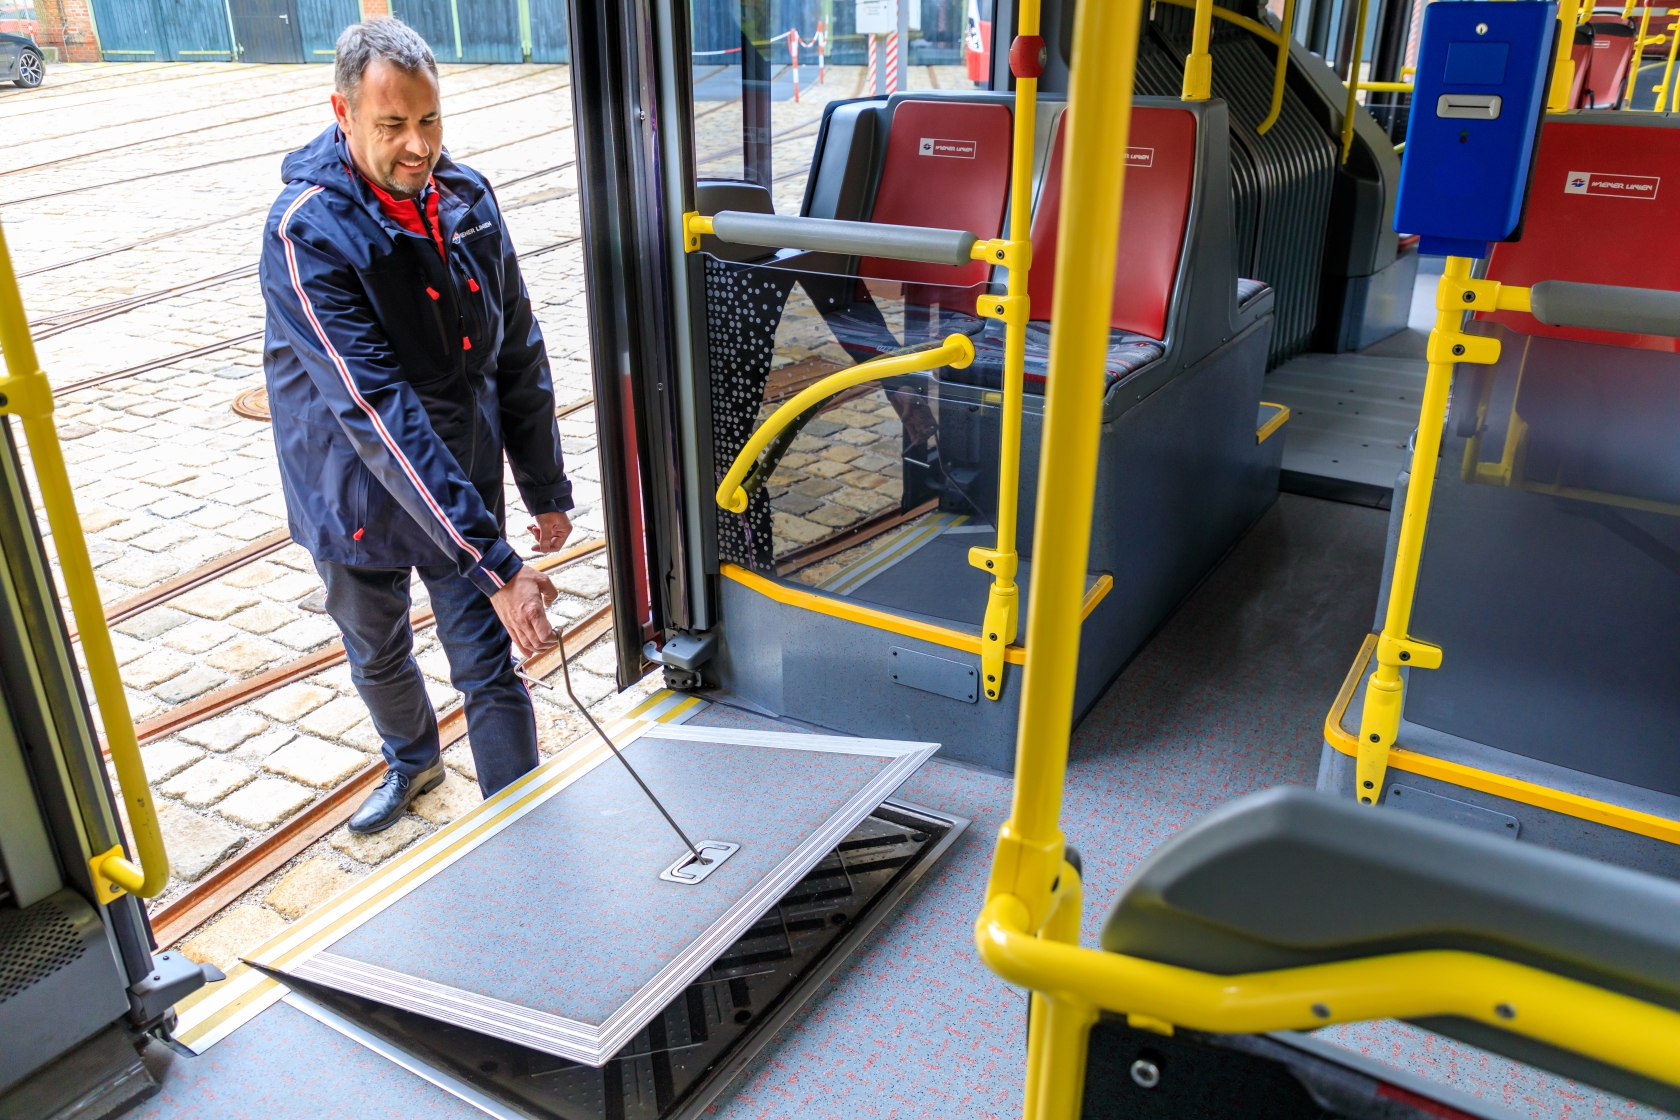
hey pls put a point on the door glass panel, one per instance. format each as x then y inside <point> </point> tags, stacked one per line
<point>759,94</point>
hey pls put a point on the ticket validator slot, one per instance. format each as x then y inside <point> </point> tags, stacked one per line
<point>1480,94</point>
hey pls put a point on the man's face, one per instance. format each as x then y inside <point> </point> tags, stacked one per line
<point>395,128</point>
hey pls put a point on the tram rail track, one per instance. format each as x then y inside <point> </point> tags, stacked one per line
<point>224,886</point>
<point>269,116</point>
<point>148,176</point>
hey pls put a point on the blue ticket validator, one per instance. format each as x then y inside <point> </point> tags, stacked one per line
<point>1477,102</point>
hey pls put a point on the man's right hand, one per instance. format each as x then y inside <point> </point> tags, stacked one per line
<point>522,605</point>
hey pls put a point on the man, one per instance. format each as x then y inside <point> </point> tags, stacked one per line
<point>403,360</point>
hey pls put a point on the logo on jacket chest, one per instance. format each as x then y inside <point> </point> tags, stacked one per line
<point>464,234</point>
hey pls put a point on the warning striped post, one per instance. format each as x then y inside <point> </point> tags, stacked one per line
<point>872,69</point>
<point>793,58</point>
<point>892,63</point>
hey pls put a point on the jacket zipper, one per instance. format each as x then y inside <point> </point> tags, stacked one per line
<point>434,235</point>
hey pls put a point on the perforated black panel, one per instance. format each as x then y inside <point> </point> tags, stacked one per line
<point>743,309</point>
<point>34,944</point>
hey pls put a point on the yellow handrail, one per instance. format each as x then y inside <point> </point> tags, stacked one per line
<point>25,393</point>
<point>1286,31</point>
<point>1386,87</point>
<point>1353,79</point>
<point>1638,50</point>
<point>1613,1028</point>
<point>1668,70</point>
<point>957,351</point>
<point>1563,70</point>
<point>1002,619</point>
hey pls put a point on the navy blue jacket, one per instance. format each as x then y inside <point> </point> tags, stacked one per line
<point>396,379</point>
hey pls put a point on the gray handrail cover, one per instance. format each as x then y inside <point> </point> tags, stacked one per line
<point>852,239</point>
<point>1606,307</point>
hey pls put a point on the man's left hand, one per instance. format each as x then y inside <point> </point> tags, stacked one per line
<point>551,531</point>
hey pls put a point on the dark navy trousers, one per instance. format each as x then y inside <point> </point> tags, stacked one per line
<point>371,608</point>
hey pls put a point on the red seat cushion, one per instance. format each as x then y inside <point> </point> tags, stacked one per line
<point>1161,169</point>
<point>1595,184</point>
<point>1582,54</point>
<point>947,167</point>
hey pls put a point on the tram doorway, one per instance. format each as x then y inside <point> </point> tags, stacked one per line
<point>267,30</point>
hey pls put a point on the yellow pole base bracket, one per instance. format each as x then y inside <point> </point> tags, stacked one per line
<point>1004,253</point>
<point>113,875</point>
<point>1011,310</point>
<point>1003,607</point>
<point>694,226</point>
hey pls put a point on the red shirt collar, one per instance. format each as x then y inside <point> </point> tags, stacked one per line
<point>406,214</point>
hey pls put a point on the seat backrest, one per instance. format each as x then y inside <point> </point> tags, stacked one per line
<point>1612,51</point>
<point>1581,53</point>
<point>1160,177</point>
<point>946,166</point>
<point>1292,877</point>
<point>1601,182</point>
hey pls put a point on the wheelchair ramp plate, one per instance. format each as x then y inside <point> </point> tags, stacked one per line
<point>558,933</point>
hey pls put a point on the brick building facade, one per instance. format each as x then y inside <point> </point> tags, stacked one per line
<point>68,26</point>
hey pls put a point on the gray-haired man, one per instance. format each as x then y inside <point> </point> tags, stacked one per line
<point>403,362</point>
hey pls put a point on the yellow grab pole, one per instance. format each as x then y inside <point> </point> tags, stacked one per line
<point>1003,601</point>
<point>1668,70</point>
<point>1029,848</point>
<point>1638,51</point>
<point>1563,72</point>
<point>1198,67</point>
<point>1287,32</point>
<point>25,393</point>
<point>1352,105</point>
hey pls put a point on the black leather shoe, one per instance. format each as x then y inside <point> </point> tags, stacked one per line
<point>385,805</point>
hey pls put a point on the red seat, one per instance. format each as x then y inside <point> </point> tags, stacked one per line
<point>1160,174</point>
<point>1607,69</point>
<point>1594,184</point>
<point>947,167</point>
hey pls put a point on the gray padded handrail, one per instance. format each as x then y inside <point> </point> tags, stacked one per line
<point>853,239</point>
<point>1606,307</point>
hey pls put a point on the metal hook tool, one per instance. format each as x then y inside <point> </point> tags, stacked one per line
<point>699,860</point>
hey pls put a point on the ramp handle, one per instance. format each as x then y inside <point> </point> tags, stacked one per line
<point>852,239</point>
<point>1606,307</point>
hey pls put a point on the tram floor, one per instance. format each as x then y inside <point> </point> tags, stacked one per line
<point>1228,697</point>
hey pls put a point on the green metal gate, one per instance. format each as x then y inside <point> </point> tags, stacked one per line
<point>474,31</point>
<point>321,21</point>
<point>163,30</point>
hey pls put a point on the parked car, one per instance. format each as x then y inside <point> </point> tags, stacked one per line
<point>19,19</point>
<point>21,61</point>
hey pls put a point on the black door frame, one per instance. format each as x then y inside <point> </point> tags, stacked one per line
<point>629,276</point>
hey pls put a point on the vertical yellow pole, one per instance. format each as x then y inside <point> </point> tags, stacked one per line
<point>1198,68</point>
<point>1379,724</point>
<point>1563,73</point>
<point>1352,105</point>
<point>25,393</point>
<point>1638,53</point>
<point>1060,1025</point>
<point>1286,33</point>
<point>1668,70</point>
<point>1029,848</point>
<point>1003,601</point>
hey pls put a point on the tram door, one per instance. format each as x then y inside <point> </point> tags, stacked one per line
<point>80,981</point>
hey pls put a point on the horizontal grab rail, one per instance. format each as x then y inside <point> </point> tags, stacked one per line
<point>1606,307</point>
<point>830,235</point>
<point>957,351</point>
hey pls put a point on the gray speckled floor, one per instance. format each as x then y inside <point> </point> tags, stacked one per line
<point>284,1065</point>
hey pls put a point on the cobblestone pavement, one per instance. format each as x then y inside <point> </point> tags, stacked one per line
<point>185,160</point>
<point>124,182</point>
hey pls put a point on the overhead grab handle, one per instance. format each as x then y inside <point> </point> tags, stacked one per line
<point>956,351</point>
<point>830,235</point>
<point>1606,307</point>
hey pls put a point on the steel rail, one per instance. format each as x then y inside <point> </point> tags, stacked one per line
<point>50,325</point>
<point>222,700</point>
<point>268,116</point>
<point>222,887</point>
<point>264,155</point>
<point>205,573</point>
